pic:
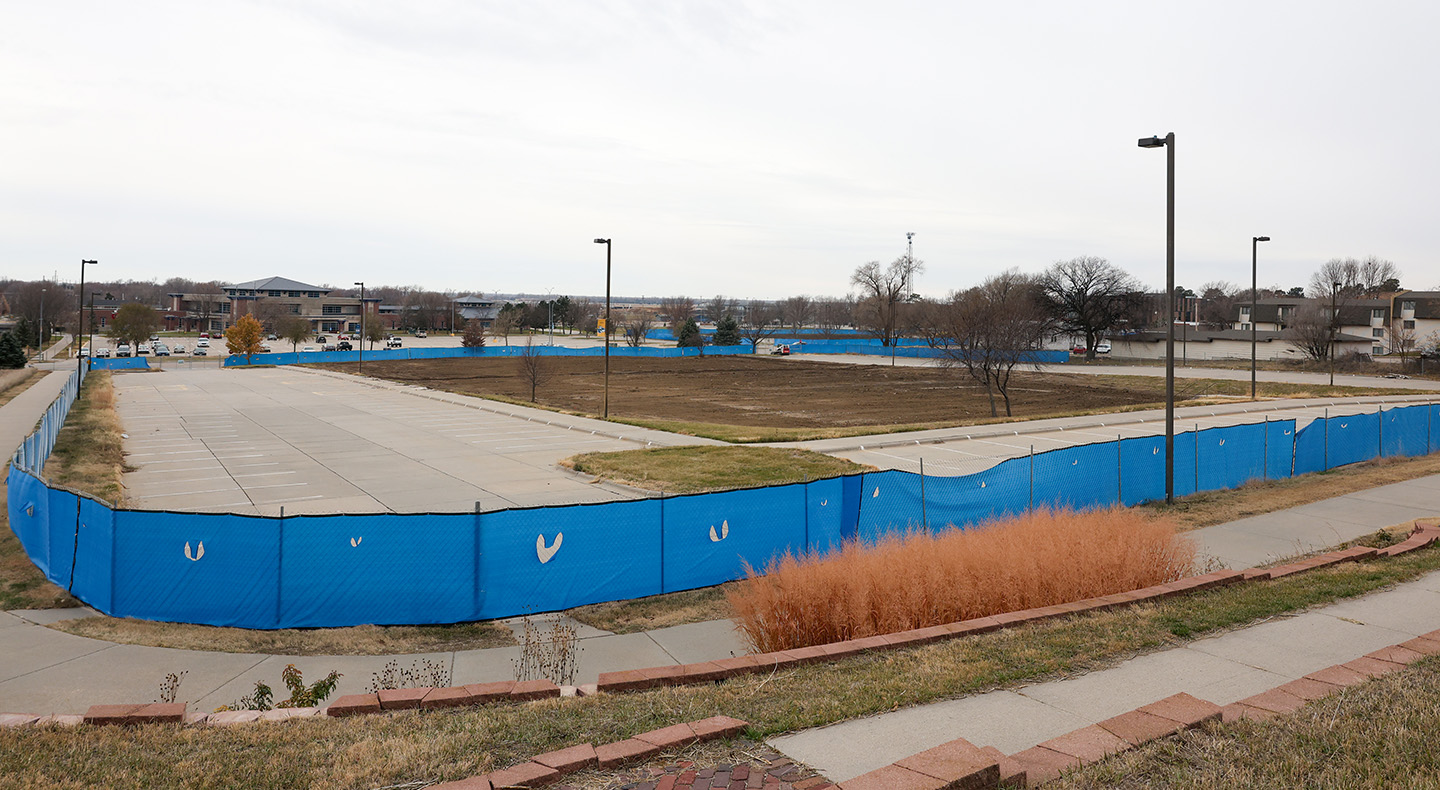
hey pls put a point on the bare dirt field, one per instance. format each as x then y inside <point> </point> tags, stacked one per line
<point>768,393</point>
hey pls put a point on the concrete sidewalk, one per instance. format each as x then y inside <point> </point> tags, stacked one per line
<point>1221,669</point>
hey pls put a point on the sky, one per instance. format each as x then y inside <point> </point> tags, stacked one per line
<point>751,149</point>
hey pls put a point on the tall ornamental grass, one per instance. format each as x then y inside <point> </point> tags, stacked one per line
<point>919,579</point>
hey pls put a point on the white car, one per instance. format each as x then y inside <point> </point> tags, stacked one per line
<point>1103,347</point>
<point>179,348</point>
<point>393,342</point>
<point>308,348</point>
<point>202,343</point>
<point>102,353</point>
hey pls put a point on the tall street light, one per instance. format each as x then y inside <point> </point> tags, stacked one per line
<point>40,330</point>
<point>362,328</point>
<point>1334,325</point>
<point>606,242</point>
<point>1254,303</point>
<point>79,360</point>
<point>1168,142</point>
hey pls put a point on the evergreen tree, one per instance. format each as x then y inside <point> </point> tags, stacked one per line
<point>11,354</point>
<point>474,336</point>
<point>24,333</point>
<point>727,332</point>
<point>690,336</point>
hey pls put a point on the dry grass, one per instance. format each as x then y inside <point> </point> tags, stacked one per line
<point>1377,734</point>
<point>1219,507</point>
<point>89,454</point>
<point>657,611</point>
<point>917,580</point>
<point>687,470</point>
<point>421,748</point>
<point>360,640</point>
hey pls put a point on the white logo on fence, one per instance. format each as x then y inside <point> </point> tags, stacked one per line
<point>200,552</point>
<point>1075,462</point>
<point>1222,442</point>
<point>724,531</point>
<point>356,541</point>
<point>1287,431</point>
<point>876,494</point>
<point>1154,450</point>
<point>824,502</point>
<point>1344,425</point>
<point>546,552</point>
<point>982,483</point>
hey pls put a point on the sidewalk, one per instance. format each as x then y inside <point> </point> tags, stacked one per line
<point>1221,669</point>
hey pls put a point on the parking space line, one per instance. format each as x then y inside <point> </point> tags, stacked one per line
<point>187,493</point>
<point>266,474</point>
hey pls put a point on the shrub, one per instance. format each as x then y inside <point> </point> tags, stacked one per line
<point>918,579</point>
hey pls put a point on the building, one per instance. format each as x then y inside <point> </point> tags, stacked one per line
<point>268,300</point>
<point>474,308</point>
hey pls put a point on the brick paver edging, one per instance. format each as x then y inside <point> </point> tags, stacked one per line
<point>961,764</point>
<point>550,767</point>
<point>709,671</point>
<point>706,671</point>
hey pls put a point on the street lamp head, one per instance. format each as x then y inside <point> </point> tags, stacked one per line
<point>602,241</point>
<point>1262,238</point>
<point>1152,142</point>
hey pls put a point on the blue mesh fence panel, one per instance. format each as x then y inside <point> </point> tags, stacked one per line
<point>889,505</point>
<point>832,508</point>
<point>963,500</point>
<point>547,559</point>
<point>710,537</point>
<point>1354,438</point>
<point>1404,430</point>
<point>1142,469</point>
<point>1310,447</point>
<point>64,528</point>
<point>122,363</point>
<point>383,568</point>
<point>1231,456</point>
<point>28,503</point>
<point>197,568</point>
<point>1080,478</point>
<point>93,556</point>
<point>1279,448</point>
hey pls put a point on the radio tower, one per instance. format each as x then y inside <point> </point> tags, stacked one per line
<point>909,265</point>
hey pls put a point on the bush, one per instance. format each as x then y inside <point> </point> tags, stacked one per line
<point>918,579</point>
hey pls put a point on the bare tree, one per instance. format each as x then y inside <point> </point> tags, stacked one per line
<point>831,313</point>
<point>1089,296</point>
<point>1400,339</point>
<point>530,363</point>
<point>719,307</point>
<point>293,328</point>
<point>677,310</point>
<point>1311,329</point>
<point>762,320</point>
<point>797,311</point>
<point>1218,303</point>
<point>206,300</point>
<point>1358,278</point>
<point>581,314</point>
<point>505,323</point>
<point>989,330</point>
<point>882,289</point>
<point>636,325</point>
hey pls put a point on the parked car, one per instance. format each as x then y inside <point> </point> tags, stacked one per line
<point>142,350</point>
<point>393,342</point>
<point>1078,349</point>
<point>264,348</point>
<point>204,335</point>
<point>307,348</point>
<point>329,347</point>
<point>321,339</point>
<point>1103,347</point>
<point>154,338</point>
<point>122,350</point>
<point>271,337</point>
<point>179,348</point>
<point>84,352</point>
<point>199,352</point>
<point>102,353</point>
<point>202,342</point>
<point>421,333</point>
<point>344,345</point>
<point>161,350</point>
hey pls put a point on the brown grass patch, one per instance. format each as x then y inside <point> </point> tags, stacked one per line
<point>360,640</point>
<point>657,611</point>
<point>89,455</point>
<point>919,579</point>
<point>686,470</point>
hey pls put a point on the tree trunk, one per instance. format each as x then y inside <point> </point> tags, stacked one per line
<point>990,390</point>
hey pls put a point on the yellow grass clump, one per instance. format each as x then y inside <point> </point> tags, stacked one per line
<point>918,579</point>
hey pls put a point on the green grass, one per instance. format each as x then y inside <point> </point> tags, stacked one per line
<point>686,470</point>
<point>374,751</point>
<point>1376,734</point>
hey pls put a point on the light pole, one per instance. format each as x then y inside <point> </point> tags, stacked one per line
<point>362,328</point>
<point>1334,325</point>
<point>1254,303</point>
<point>79,360</point>
<point>606,242</point>
<point>40,330</point>
<point>1168,143</point>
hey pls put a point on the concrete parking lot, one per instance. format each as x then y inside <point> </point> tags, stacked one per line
<point>254,441</point>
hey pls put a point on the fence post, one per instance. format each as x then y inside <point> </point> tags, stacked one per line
<point>924,515</point>
<point>662,540</point>
<point>1326,456</point>
<point>1294,444</point>
<point>1380,427</point>
<point>805,492</point>
<point>475,566</point>
<point>1197,458</point>
<point>280,568</point>
<point>1119,472</point>
<point>1265,451</point>
<point>1030,506</point>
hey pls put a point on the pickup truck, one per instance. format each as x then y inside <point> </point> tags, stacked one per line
<point>393,342</point>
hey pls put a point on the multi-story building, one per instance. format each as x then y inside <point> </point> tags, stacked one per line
<point>268,300</point>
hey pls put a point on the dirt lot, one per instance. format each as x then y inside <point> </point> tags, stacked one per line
<point>766,392</point>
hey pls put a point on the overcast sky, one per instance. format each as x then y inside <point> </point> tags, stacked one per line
<point>758,149</point>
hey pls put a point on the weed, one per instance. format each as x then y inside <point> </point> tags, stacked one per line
<point>301,696</point>
<point>551,652</point>
<point>422,673</point>
<point>170,686</point>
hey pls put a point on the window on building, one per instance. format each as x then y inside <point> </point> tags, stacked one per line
<point>1378,312</point>
<point>272,293</point>
<point>1407,306</point>
<point>1409,324</point>
<point>294,309</point>
<point>330,309</point>
<point>313,294</point>
<point>1245,326</point>
<point>1377,332</point>
<point>223,307</point>
<point>1377,349</point>
<point>1245,310</point>
<point>293,294</point>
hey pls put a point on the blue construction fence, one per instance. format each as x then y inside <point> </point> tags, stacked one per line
<point>381,355</point>
<point>341,570</point>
